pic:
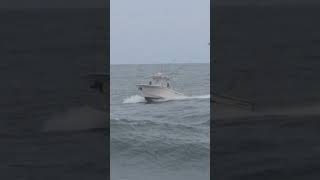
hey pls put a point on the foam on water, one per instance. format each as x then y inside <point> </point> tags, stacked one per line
<point>192,97</point>
<point>134,99</point>
<point>167,140</point>
<point>139,99</point>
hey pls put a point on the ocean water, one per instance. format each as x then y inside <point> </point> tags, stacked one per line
<point>47,110</point>
<point>163,140</point>
<point>270,55</point>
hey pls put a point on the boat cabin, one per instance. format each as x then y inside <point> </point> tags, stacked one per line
<point>159,79</point>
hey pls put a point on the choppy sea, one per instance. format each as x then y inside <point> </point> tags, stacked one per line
<point>163,140</point>
<point>48,112</point>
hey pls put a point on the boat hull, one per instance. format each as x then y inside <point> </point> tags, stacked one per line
<point>153,92</point>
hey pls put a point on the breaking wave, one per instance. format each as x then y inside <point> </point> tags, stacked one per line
<point>167,139</point>
<point>134,99</point>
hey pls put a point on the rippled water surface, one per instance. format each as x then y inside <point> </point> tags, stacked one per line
<point>163,140</point>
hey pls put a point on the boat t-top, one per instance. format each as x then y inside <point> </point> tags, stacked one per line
<point>159,87</point>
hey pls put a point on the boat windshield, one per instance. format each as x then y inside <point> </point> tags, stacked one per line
<point>160,80</point>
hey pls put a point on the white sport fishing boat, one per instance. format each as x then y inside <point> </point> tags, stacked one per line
<point>159,87</point>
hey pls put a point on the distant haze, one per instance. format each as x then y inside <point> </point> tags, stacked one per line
<point>154,32</point>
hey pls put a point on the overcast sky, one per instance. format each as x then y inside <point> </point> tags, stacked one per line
<point>159,31</point>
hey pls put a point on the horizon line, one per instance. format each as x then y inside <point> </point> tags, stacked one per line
<point>160,63</point>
